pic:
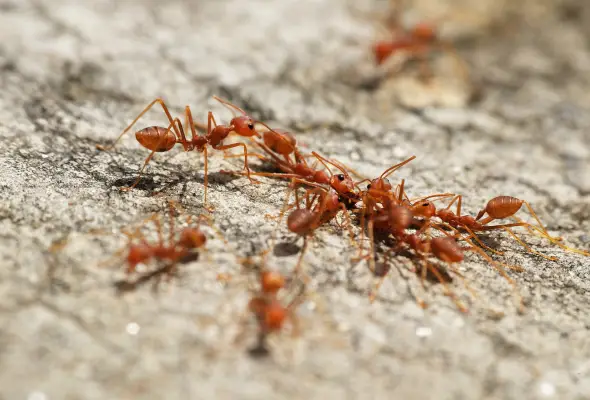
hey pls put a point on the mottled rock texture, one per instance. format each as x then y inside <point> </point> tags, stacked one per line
<point>74,73</point>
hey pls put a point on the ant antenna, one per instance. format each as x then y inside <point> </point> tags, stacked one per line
<point>230,106</point>
<point>325,160</point>
<point>393,168</point>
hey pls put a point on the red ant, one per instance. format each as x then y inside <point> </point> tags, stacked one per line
<point>446,249</point>
<point>159,139</point>
<point>499,207</point>
<point>178,248</point>
<point>266,304</point>
<point>397,215</point>
<point>418,41</point>
<point>378,191</point>
<point>321,206</point>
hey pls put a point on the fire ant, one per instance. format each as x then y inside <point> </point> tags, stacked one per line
<point>159,139</point>
<point>378,192</point>
<point>267,304</point>
<point>499,207</point>
<point>321,206</point>
<point>418,41</point>
<point>445,249</point>
<point>180,247</point>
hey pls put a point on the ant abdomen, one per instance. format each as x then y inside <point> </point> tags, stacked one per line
<point>156,138</point>
<point>501,207</point>
<point>301,221</point>
<point>191,238</point>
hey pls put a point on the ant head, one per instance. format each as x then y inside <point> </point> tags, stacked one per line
<point>381,51</point>
<point>244,126</point>
<point>380,184</point>
<point>332,201</point>
<point>424,31</point>
<point>192,238</point>
<point>424,208</point>
<point>271,282</point>
<point>342,183</point>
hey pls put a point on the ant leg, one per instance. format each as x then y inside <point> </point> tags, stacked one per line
<point>206,205</point>
<point>526,246</point>
<point>552,239</point>
<point>372,245</point>
<point>555,240</point>
<point>286,207</point>
<point>257,155</point>
<point>362,239</point>
<point>375,290</point>
<point>498,266</point>
<point>447,288</point>
<point>456,198</point>
<point>348,223</point>
<point>520,241</point>
<point>401,191</point>
<point>298,269</point>
<point>477,240</point>
<point>147,160</point>
<point>158,224</point>
<point>230,146</point>
<point>158,100</point>
<point>189,125</point>
<point>463,280</point>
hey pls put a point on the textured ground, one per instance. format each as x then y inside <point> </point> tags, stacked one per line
<point>74,73</point>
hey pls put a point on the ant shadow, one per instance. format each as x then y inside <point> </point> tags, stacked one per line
<point>260,349</point>
<point>286,249</point>
<point>127,285</point>
<point>162,181</point>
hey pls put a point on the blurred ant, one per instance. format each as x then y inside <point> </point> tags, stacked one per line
<point>269,305</point>
<point>180,247</point>
<point>418,42</point>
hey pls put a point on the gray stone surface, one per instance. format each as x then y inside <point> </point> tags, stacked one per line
<point>73,73</point>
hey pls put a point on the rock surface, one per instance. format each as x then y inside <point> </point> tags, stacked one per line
<point>74,73</point>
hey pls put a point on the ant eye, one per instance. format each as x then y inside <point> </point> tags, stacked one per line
<point>340,177</point>
<point>368,186</point>
<point>250,126</point>
<point>424,204</point>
